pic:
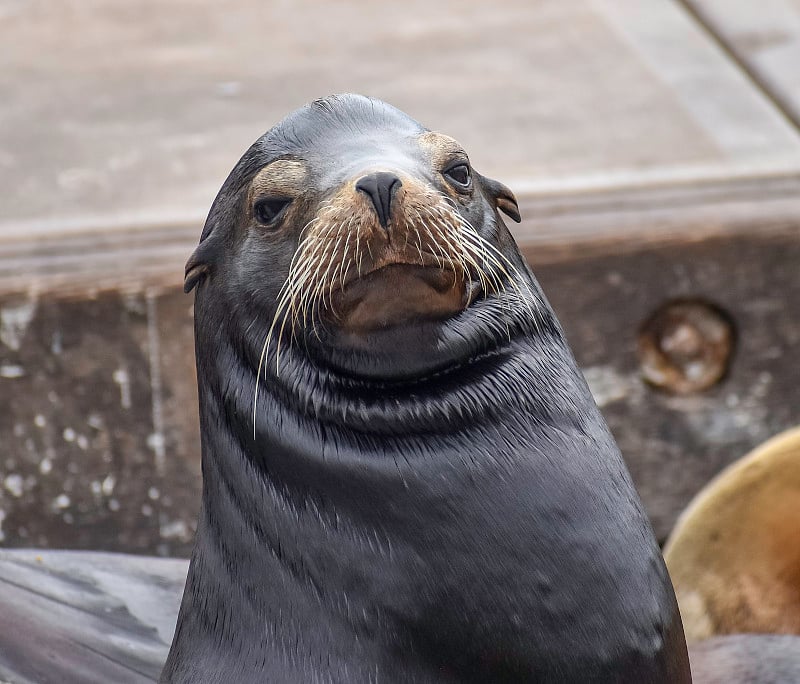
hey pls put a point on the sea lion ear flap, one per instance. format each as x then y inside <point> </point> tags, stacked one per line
<point>503,198</point>
<point>198,266</point>
<point>195,270</point>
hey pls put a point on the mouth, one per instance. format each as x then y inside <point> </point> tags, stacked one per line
<point>399,294</point>
<point>403,322</point>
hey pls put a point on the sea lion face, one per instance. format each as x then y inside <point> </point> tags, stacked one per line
<point>376,239</point>
<point>352,228</point>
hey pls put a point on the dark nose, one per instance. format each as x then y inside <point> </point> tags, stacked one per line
<point>380,188</point>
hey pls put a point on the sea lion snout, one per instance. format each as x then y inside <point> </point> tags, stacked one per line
<point>382,247</point>
<point>380,187</point>
<point>403,272</point>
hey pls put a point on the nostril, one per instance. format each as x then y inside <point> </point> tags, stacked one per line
<point>380,188</point>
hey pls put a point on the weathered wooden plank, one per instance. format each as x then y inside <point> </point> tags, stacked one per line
<point>765,38</point>
<point>118,116</point>
<point>88,618</point>
<point>99,423</point>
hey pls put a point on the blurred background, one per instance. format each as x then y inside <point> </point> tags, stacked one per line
<point>654,146</point>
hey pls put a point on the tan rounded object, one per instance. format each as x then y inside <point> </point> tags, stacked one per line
<point>734,555</point>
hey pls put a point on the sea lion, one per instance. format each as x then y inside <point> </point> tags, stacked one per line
<point>405,476</point>
<point>734,555</point>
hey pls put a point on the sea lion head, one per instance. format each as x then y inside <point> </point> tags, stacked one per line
<point>351,232</point>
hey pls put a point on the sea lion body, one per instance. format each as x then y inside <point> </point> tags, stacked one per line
<point>419,487</point>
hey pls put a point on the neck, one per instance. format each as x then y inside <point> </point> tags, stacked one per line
<point>447,530</point>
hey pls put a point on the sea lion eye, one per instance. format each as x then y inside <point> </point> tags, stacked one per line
<point>269,209</point>
<point>459,175</point>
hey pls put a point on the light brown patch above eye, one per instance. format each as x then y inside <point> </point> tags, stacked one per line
<point>283,177</point>
<point>443,150</point>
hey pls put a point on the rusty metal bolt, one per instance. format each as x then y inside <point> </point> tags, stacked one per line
<point>685,346</point>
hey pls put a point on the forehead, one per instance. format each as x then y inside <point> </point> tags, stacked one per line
<point>343,135</point>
